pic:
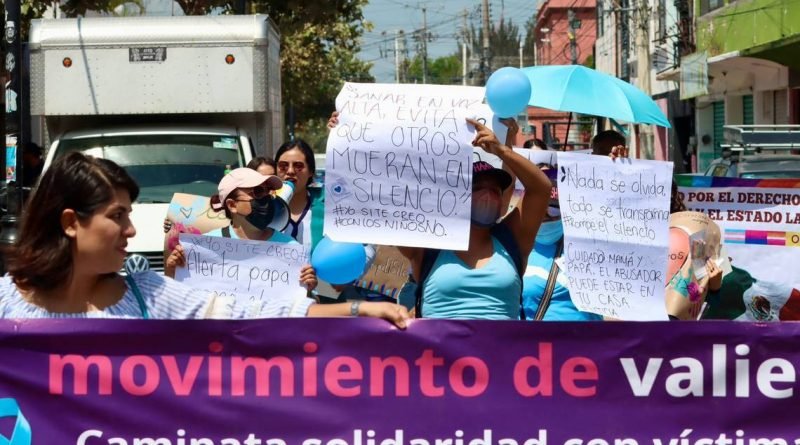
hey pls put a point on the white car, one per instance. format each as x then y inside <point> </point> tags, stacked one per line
<point>759,166</point>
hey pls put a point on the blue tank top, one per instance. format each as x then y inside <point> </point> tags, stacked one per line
<point>455,291</point>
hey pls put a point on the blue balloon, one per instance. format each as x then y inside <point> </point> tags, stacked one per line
<point>508,92</point>
<point>338,263</point>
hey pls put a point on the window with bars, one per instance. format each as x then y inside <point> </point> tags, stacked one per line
<point>710,5</point>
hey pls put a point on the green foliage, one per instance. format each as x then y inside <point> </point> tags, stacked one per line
<point>503,39</point>
<point>319,43</point>
<point>315,132</point>
<point>443,70</point>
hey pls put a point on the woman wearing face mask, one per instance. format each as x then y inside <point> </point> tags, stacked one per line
<point>248,199</point>
<point>545,295</point>
<point>484,282</point>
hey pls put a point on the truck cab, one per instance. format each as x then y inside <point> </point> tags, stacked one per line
<point>174,100</point>
<point>163,161</point>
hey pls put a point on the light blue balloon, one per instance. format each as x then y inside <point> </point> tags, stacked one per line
<point>508,92</point>
<point>338,263</point>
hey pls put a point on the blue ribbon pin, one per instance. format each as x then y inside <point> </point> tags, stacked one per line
<point>22,429</point>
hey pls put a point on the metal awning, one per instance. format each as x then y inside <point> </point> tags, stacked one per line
<point>735,71</point>
<point>767,137</point>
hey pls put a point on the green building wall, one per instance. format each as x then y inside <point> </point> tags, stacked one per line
<point>762,28</point>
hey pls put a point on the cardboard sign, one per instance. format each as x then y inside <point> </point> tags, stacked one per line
<point>388,273</point>
<point>191,214</point>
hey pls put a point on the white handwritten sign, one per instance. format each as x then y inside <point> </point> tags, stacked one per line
<point>399,101</point>
<point>616,234</point>
<point>362,96</point>
<point>244,269</point>
<point>403,182</point>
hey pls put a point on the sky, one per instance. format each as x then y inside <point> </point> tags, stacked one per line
<point>445,19</point>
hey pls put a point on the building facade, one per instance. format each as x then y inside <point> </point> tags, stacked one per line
<point>745,71</point>
<point>565,33</point>
<point>642,42</point>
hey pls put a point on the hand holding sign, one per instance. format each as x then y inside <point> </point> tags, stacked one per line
<point>485,138</point>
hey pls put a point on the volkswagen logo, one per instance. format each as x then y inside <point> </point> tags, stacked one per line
<point>135,264</point>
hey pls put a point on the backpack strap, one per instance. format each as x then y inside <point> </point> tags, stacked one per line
<point>138,294</point>
<point>544,303</point>
<point>226,231</point>
<point>506,238</point>
<point>428,259</point>
<point>317,214</point>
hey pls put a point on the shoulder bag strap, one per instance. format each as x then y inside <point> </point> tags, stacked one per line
<point>544,303</point>
<point>138,294</point>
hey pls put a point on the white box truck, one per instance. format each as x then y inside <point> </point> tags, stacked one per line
<point>174,100</point>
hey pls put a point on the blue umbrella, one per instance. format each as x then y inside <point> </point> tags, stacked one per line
<point>578,89</point>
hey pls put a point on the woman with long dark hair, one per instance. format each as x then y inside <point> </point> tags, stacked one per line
<point>296,164</point>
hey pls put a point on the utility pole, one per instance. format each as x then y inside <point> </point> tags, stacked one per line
<point>644,143</point>
<point>424,45</point>
<point>486,67</point>
<point>574,24</point>
<point>397,56</point>
<point>403,56</point>
<point>465,41</point>
<point>14,113</point>
<point>521,47</point>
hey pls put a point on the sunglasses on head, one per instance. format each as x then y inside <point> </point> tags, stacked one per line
<point>298,166</point>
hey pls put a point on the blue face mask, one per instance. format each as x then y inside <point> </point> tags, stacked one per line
<point>550,232</point>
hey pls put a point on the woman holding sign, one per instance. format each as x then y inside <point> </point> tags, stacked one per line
<point>249,202</point>
<point>485,282</point>
<point>73,240</point>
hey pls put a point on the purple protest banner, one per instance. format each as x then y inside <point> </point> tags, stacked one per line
<point>362,382</point>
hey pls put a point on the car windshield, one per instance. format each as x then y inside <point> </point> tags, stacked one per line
<point>720,170</point>
<point>165,164</point>
<point>784,174</point>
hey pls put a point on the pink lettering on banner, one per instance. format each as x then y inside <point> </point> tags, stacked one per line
<point>152,375</point>
<point>342,369</point>
<point>310,370</point>
<point>543,365</point>
<point>572,370</point>
<point>479,370</point>
<point>426,362</point>
<point>80,370</point>
<point>570,375</point>
<point>215,370</point>
<point>182,382</point>
<point>377,377</point>
<point>262,369</point>
<point>290,376</point>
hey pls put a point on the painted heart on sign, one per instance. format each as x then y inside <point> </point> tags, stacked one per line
<point>186,212</point>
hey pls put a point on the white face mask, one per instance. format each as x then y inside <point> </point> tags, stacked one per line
<point>485,208</point>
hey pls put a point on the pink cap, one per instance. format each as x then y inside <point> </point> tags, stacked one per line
<point>244,177</point>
